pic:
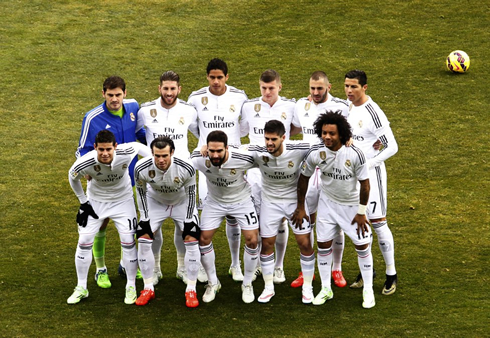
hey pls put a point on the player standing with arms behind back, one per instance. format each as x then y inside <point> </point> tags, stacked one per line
<point>369,124</point>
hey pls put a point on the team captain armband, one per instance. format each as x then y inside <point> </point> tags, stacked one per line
<point>362,209</point>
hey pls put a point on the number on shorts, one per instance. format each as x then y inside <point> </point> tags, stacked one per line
<point>133,224</point>
<point>374,207</point>
<point>253,217</point>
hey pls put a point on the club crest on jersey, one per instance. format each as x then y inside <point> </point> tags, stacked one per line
<point>204,100</point>
<point>151,173</point>
<point>181,121</point>
<point>232,108</point>
<point>360,123</point>
<point>290,164</point>
<point>140,182</point>
<point>347,163</point>
<point>257,107</point>
<point>266,160</point>
<point>323,155</point>
<point>233,171</point>
<point>73,174</point>
<point>303,167</point>
<point>97,168</point>
<point>283,116</point>
<point>132,117</point>
<point>176,180</point>
<point>153,113</point>
<point>124,166</point>
<point>208,164</point>
<point>307,106</point>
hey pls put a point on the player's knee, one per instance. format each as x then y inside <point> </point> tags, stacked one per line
<point>191,229</point>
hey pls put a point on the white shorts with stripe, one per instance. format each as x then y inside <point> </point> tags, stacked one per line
<point>332,217</point>
<point>272,215</point>
<point>213,213</point>
<point>159,212</point>
<point>378,192</point>
<point>122,213</point>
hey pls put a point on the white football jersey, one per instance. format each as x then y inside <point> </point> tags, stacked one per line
<point>173,123</point>
<point>218,113</point>
<point>369,123</point>
<point>340,171</point>
<point>280,174</point>
<point>256,113</point>
<point>109,183</point>
<point>170,187</point>
<point>306,113</point>
<point>226,184</point>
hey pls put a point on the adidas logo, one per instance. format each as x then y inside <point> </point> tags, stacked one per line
<point>154,121</point>
<point>208,171</point>
<point>152,181</point>
<point>107,126</point>
<point>257,115</point>
<point>307,115</point>
<point>98,174</point>
<point>205,109</point>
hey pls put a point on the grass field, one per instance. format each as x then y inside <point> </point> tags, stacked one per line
<point>54,58</point>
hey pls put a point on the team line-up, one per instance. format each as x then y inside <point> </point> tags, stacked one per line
<point>333,181</point>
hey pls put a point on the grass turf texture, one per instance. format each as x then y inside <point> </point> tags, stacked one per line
<point>55,56</point>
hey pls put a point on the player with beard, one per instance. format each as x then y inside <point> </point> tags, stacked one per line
<point>229,195</point>
<point>306,112</point>
<point>172,117</point>
<point>279,163</point>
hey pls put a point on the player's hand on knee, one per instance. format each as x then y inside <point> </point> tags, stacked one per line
<point>298,216</point>
<point>144,228</point>
<point>84,212</point>
<point>362,225</point>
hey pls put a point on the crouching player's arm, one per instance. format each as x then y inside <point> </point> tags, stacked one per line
<point>300,212</point>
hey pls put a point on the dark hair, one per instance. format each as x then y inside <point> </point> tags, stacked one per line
<point>113,82</point>
<point>276,127</point>
<point>360,75</point>
<point>105,136</point>
<point>217,136</point>
<point>170,75</point>
<point>162,142</point>
<point>217,64</point>
<point>270,75</point>
<point>339,120</point>
<point>319,75</point>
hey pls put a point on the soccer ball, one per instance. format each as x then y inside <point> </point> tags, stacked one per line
<point>458,61</point>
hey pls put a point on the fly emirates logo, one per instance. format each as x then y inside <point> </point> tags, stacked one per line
<point>218,122</point>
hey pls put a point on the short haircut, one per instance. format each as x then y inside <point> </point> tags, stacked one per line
<point>113,82</point>
<point>217,64</point>
<point>105,136</point>
<point>339,120</point>
<point>275,127</point>
<point>217,136</point>
<point>319,75</point>
<point>162,142</point>
<point>270,75</point>
<point>360,75</point>
<point>170,75</point>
